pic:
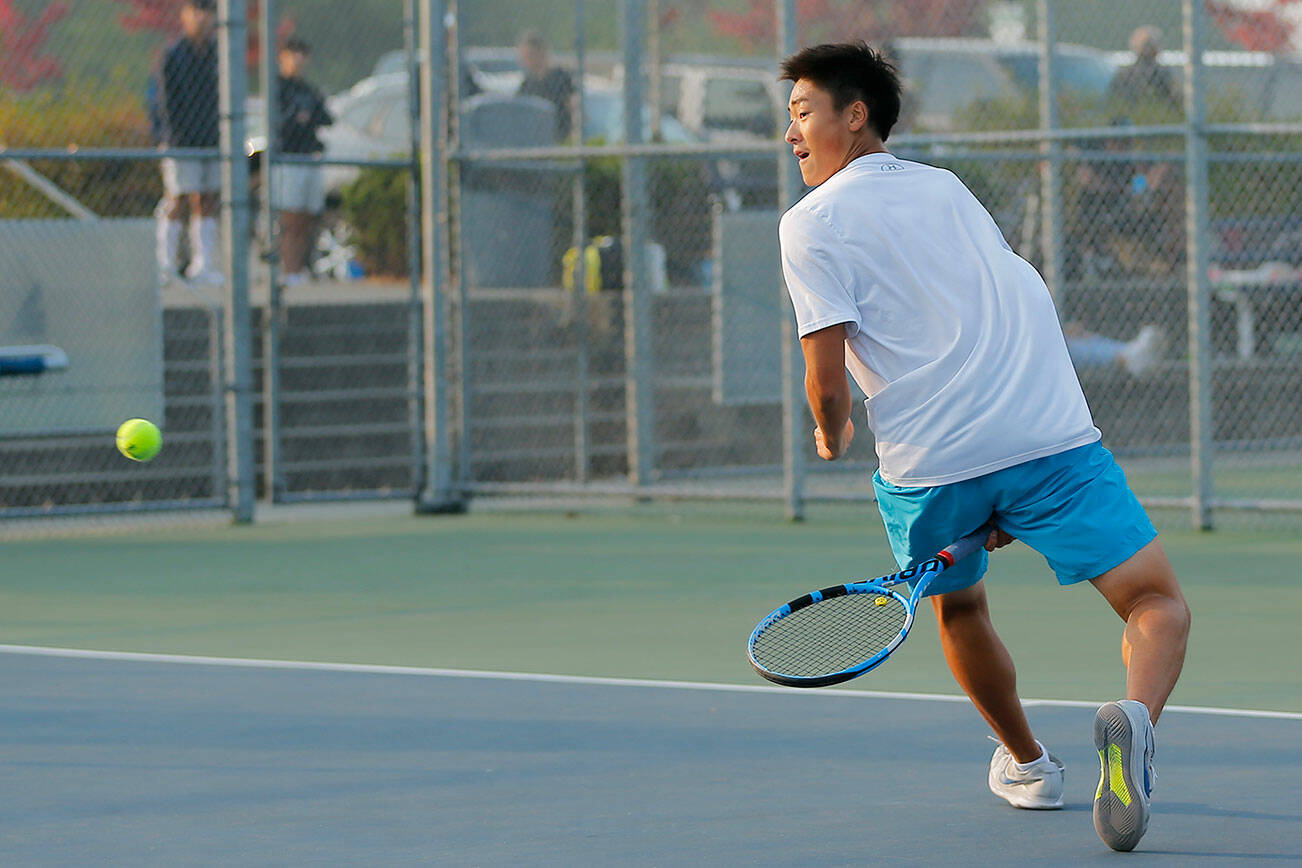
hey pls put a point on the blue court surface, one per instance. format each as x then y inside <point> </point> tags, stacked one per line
<point>131,760</point>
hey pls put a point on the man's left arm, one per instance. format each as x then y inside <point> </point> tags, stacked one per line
<point>828,390</point>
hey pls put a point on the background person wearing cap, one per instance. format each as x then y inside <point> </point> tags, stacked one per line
<point>297,190</point>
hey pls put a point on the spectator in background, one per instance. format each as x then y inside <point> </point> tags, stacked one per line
<point>297,190</point>
<point>187,102</point>
<point>1137,356</point>
<point>1127,215</point>
<point>544,80</point>
<point>1144,80</point>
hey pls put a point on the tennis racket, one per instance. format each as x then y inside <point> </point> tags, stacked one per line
<point>841,632</point>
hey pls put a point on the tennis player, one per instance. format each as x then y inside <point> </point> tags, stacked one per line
<point>898,274</point>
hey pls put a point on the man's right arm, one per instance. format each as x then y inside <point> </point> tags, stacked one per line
<point>828,390</point>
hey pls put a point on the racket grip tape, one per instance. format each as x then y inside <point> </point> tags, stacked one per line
<point>956,551</point>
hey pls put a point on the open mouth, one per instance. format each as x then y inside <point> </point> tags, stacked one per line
<point>800,155</point>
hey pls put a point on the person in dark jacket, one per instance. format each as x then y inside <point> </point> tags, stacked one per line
<point>188,112</point>
<point>297,190</point>
<point>544,80</point>
<point>1145,80</point>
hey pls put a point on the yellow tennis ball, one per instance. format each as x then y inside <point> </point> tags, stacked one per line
<point>139,439</point>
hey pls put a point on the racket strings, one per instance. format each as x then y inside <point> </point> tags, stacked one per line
<point>831,635</point>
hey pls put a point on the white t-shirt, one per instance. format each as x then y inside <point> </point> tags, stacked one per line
<point>951,335</point>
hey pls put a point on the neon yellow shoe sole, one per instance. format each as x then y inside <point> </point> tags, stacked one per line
<point>1123,737</point>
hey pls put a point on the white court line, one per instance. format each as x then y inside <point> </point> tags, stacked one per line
<point>379,669</point>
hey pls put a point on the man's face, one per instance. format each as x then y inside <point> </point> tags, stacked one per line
<point>292,63</point>
<point>821,137</point>
<point>533,59</point>
<point>196,23</point>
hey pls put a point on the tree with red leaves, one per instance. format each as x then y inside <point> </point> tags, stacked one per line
<point>872,20</point>
<point>22,66</point>
<point>157,15</point>
<point>1272,26</point>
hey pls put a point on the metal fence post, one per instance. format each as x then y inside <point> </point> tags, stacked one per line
<point>415,334</point>
<point>638,374</point>
<point>1201,443</point>
<point>794,427</point>
<point>233,48</point>
<point>578,301</point>
<point>435,494</point>
<point>272,314</point>
<point>1051,179</point>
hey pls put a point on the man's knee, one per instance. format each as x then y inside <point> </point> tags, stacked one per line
<point>1146,578</point>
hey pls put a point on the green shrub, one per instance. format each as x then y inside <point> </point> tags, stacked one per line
<point>375,209</point>
<point>79,116</point>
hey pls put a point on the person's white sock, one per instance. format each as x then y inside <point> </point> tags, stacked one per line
<point>1043,757</point>
<point>198,262</point>
<point>167,237</point>
<point>208,242</point>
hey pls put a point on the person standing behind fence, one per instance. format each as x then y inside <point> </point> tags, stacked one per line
<point>297,190</point>
<point>1145,81</point>
<point>544,80</point>
<point>187,82</point>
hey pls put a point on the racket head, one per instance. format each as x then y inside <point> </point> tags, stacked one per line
<point>830,635</point>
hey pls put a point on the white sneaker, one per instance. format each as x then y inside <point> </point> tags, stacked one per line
<point>1038,788</point>
<point>1145,351</point>
<point>205,277</point>
<point>1123,735</point>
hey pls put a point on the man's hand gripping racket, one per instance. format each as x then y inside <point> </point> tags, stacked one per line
<point>838,633</point>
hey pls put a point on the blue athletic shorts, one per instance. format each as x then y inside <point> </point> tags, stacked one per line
<point>1074,508</point>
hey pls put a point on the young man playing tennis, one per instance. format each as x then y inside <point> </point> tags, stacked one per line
<point>897,273</point>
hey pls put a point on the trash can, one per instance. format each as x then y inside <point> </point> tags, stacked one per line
<point>509,208</point>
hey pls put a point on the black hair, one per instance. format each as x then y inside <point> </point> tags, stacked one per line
<point>851,71</point>
<point>202,5</point>
<point>297,44</point>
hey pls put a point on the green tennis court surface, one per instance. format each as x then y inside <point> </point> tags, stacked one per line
<point>663,592</point>
<point>113,759</point>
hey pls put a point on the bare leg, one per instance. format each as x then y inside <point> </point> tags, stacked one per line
<point>1145,593</point>
<point>294,226</point>
<point>983,667</point>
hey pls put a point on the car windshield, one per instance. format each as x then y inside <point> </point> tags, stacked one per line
<point>1088,75</point>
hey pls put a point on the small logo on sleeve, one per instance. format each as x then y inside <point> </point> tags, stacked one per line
<point>892,167</point>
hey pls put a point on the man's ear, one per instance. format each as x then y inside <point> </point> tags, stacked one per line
<point>858,115</point>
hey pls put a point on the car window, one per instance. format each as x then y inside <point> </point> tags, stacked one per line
<point>671,94</point>
<point>945,83</point>
<point>1083,74</point>
<point>739,105</point>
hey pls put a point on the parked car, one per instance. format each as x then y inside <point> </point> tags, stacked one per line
<point>944,76</point>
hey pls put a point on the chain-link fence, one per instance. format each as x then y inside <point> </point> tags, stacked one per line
<point>590,300</point>
<point>244,278</point>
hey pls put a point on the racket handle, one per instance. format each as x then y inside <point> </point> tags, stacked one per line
<point>967,545</point>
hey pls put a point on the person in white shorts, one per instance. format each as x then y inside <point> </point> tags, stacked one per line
<point>297,190</point>
<point>898,273</point>
<point>188,103</point>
